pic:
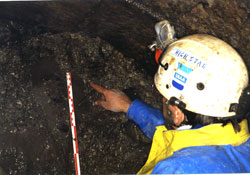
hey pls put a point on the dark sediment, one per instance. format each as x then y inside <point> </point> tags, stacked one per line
<point>104,42</point>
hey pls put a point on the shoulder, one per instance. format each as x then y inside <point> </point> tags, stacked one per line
<point>204,159</point>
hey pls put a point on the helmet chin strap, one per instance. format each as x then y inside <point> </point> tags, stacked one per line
<point>242,108</point>
<point>177,102</point>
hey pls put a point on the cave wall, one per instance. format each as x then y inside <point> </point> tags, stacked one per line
<point>102,41</point>
<point>228,20</point>
<point>129,25</point>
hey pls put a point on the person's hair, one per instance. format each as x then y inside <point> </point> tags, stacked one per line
<point>194,119</point>
<point>242,112</point>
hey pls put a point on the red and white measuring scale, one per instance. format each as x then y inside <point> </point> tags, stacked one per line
<point>73,124</point>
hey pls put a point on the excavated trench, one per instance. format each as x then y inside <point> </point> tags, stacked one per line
<point>105,42</point>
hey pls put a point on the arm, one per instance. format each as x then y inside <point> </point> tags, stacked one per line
<point>145,116</point>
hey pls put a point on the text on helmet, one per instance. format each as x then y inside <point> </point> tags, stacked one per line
<point>189,58</point>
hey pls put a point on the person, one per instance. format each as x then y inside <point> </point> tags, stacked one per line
<point>204,82</point>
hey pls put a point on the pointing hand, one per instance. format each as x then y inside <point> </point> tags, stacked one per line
<point>113,100</point>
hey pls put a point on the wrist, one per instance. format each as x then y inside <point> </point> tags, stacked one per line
<point>126,107</point>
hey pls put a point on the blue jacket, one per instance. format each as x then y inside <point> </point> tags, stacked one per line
<point>196,159</point>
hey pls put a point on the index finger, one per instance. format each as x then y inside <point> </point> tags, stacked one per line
<point>98,88</point>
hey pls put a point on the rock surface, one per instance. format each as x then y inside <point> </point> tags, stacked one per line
<point>35,125</point>
<point>100,41</point>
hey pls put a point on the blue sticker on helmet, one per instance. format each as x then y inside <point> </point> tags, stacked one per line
<point>180,77</point>
<point>177,85</point>
<point>184,68</point>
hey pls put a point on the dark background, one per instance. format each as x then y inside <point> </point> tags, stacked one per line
<point>102,41</point>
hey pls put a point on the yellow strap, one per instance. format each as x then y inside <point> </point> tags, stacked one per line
<point>165,142</point>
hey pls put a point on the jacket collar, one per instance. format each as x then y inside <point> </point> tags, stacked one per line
<point>166,142</point>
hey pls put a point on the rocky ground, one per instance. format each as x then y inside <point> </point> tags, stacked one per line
<point>36,134</point>
<point>104,42</point>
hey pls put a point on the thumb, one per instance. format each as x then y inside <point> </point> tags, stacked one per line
<point>101,103</point>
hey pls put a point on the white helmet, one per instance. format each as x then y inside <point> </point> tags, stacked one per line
<point>204,73</point>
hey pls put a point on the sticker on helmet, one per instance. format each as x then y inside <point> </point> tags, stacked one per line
<point>178,81</point>
<point>184,68</point>
<point>180,77</point>
<point>177,85</point>
<point>189,58</point>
